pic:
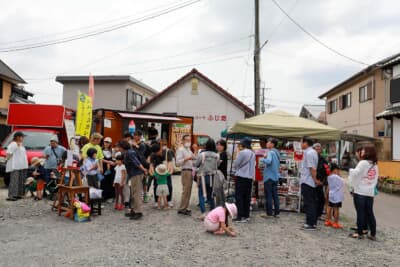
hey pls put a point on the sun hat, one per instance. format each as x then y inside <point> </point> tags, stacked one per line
<point>161,169</point>
<point>54,138</point>
<point>97,136</point>
<point>108,140</point>
<point>35,161</point>
<point>232,209</point>
<point>29,180</point>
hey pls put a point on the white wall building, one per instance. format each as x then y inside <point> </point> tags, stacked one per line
<point>213,108</point>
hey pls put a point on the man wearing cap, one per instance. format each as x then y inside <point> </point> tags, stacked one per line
<point>245,166</point>
<point>95,140</point>
<point>271,177</point>
<point>135,171</point>
<point>53,154</point>
<point>17,165</point>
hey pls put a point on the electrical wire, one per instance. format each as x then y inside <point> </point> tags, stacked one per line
<point>97,32</point>
<point>316,39</point>
<point>84,27</point>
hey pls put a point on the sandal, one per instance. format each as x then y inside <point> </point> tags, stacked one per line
<point>11,199</point>
<point>356,236</point>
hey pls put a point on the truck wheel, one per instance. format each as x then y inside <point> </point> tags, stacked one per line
<point>6,179</point>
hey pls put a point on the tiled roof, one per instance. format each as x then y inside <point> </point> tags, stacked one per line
<point>213,85</point>
<point>364,71</point>
<point>8,74</point>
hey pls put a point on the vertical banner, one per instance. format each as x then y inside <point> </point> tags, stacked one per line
<point>178,131</point>
<point>91,88</point>
<point>84,115</point>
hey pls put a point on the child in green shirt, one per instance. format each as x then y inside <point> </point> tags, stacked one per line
<point>162,191</point>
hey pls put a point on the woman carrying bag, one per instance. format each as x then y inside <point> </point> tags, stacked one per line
<point>363,179</point>
<point>207,162</point>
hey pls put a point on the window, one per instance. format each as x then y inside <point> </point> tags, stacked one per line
<point>1,89</point>
<point>345,101</point>
<point>33,140</point>
<point>332,106</point>
<point>133,100</point>
<point>366,92</point>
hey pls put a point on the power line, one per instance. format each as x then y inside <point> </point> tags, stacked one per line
<point>192,65</point>
<point>98,32</point>
<point>84,27</point>
<point>316,39</point>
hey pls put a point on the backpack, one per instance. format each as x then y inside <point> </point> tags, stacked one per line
<point>322,170</point>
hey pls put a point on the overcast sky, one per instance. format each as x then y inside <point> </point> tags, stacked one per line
<point>215,36</point>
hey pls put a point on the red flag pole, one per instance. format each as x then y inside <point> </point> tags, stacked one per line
<point>91,87</point>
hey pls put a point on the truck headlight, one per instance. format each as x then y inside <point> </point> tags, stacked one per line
<point>3,159</point>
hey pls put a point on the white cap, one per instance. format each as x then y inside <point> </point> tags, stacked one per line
<point>108,139</point>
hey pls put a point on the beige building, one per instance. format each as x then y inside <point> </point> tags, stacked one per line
<point>10,92</point>
<point>120,92</point>
<point>353,104</point>
<point>213,109</point>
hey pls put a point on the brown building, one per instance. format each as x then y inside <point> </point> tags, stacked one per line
<point>10,92</point>
<point>353,104</point>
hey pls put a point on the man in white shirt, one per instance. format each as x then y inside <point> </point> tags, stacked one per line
<point>184,159</point>
<point>309,182</point>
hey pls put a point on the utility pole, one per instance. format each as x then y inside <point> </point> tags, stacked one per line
<point>257,80</point>
<point>263,100</point>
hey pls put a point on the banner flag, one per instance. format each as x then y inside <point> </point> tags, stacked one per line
<point>83,115</point>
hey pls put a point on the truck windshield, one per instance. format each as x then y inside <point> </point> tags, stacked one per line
<point>32,140</point>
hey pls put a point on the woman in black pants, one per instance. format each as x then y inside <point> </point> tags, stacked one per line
<point>363,179</point>
<point>245,166</point>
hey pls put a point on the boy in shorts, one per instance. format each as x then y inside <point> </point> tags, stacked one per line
<point>336,196</point>
<point>162,191</point>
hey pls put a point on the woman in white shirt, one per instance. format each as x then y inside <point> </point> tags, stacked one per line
<point>363,180</point>
<point>17,165</point>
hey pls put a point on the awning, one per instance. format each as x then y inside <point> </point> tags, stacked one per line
<point>354,138</point>
<point>148,117</point>
<point>387,114</point>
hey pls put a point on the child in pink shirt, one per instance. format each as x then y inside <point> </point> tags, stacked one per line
<point>216,220</point>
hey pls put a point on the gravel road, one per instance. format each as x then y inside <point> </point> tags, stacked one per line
<point>32,235</point>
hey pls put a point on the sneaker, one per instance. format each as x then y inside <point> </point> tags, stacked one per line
<point>170,204</point>
<point>121,207</point>
<point>337,226</point>
<point>116,206</point>
<point>307,227</point>
<point>137,216</point>
<point>238,219</point>
<point>245,220</point>
<point>266,216</point>
<point>130,214</point>
<point>182,212</point>
<point>188,212</point>
<point>328,223</point>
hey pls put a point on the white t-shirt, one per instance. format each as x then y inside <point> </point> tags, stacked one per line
<point>18,159</point>
<point>336,187</point>
<point>118,173</point>
<point>310,160</point>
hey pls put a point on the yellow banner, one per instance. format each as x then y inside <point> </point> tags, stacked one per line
<point>83,115</point>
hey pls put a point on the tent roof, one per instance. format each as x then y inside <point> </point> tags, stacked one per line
<point>282,124</point>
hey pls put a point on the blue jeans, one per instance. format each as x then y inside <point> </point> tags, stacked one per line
<point>209,198</point>
<point>271,193</point>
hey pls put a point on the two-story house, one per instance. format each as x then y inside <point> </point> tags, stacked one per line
<point>10,92</point>
<point>392,115</point>
<point>352,105</point>
<point>120,92</point>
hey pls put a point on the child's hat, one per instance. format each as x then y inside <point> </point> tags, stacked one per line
<point>35,161</point>
<point>161,169</point>
<point>29,180</point>
<point>232,209</point>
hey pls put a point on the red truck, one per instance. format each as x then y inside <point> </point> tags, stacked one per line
<point>39,123</point>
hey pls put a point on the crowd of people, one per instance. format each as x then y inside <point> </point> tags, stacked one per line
<point>127,170</point>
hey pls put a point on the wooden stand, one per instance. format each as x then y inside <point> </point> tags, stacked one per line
<point>71,190</point>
